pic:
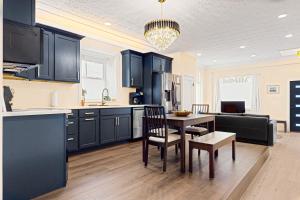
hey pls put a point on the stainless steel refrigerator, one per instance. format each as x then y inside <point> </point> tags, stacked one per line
<point>166,91</point>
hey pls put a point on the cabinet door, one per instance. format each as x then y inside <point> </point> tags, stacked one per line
<point>67,61</point>
<point>124,127</point>
<point>156,64</point>
<point>88,132</point>
<point>108,129</point>
<point>168,66</point>
<point>22,11</point>
<point>136,70</point>
<point>46,70</point>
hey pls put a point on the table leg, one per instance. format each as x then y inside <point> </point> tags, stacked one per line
<point>182,149</point>
<point>285,127</point>
<point>143,143</point>
<point>233,149</point>
<point>190,158</point>
<point>211,164</point>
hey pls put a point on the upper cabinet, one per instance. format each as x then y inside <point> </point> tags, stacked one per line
<point>22,11</point>
<point>61,56</point>
<point>158,63</point>
<point>132,69</point>
<point>67,58</point>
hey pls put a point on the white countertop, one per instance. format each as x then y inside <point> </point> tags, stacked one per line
<point>97,107</point>
<point>30,112</point>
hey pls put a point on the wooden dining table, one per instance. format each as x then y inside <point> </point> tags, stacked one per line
<point>181,123</point>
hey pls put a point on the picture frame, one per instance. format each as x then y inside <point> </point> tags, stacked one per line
<point>273,89</point>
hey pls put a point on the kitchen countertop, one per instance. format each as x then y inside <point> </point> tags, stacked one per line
<point>98,107</point>
<point>30,112</point>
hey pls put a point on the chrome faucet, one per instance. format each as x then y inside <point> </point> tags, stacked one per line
<point>105,97</point>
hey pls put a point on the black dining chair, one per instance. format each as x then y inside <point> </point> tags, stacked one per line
<point>157,132</point>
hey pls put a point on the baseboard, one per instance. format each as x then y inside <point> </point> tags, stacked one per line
<point>238,190</point>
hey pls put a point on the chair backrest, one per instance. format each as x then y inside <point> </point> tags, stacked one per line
<point>156,122</point>
<point>200,108</point>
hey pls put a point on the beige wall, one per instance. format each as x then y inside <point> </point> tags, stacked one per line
<point>271,73</point>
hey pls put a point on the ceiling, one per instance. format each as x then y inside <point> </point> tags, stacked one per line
<point>214,28</point>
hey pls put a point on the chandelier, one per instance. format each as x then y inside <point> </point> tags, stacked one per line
<point>161,33</point>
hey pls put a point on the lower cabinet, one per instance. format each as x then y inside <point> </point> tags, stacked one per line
<point>124,127</point>
<point>108,129</point>
<point>86,128</point>
<point>88,132</point>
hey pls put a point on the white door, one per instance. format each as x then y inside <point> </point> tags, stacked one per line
<point>188,90</point>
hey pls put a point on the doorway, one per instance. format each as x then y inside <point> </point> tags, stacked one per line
<point>295,106</point>
<point>188,90</point>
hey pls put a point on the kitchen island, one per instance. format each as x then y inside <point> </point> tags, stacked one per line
<point>34,152</point>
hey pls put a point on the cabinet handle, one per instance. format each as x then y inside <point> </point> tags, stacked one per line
<point>89,113</point>
<point>70,139</point>
<point>70,114</point>
<point>131,81</point>
<point>69,123</point>
<point>90,119</point>
<point>116,121</point>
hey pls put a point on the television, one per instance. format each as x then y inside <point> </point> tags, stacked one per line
<point>233,107</point>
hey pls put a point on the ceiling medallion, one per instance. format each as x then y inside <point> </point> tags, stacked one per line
<point>161,33</point>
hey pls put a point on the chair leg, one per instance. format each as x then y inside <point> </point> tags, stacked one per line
<point>161,153</point>
<point>176,149</point>
<point>146,153</point>
<point>165,158</point>
<point>192,135</point>
<point>199,152</point>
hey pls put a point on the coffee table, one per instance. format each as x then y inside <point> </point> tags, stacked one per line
<point>211,143</point>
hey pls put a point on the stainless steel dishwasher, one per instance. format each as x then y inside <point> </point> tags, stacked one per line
<point>137,122</point>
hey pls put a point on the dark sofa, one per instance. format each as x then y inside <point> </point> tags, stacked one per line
<point>257,129</point>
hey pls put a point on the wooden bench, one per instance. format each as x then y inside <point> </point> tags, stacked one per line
<point>211,143</point>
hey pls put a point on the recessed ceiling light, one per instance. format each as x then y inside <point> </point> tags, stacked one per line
<point>242,47</point>
<point>282,16</point>
<point>289,35</point>
<point>107,24</point>
<point>253,55</point>
<point>215,60</point>
<point>199,54</point>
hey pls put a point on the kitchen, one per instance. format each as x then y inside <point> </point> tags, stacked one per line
<point>55,89</point>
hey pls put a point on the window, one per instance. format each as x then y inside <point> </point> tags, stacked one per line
<point>240,88</point>
<point>98,72</point>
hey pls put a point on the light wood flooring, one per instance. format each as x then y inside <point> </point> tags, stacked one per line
<point>118,173</point>
<point>279,178</point>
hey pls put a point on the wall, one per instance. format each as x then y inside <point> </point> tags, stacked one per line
<point>270,73</point>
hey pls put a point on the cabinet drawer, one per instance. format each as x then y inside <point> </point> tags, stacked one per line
<point>89,113</point>
<point>115,111</point>
<point>72,115</point>
<point>72,143</point>
<point>72,126</point>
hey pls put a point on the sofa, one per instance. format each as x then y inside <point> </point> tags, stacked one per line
<point>257,129</point>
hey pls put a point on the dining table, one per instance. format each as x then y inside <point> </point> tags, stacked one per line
<point>180,123</point>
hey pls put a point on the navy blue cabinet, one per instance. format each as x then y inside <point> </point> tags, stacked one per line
<point>108,126</point>
<point>22,11</point>
<point>46,70</point>
<point>72,131</point>
<point>132,69</point>
<point>123,131</point>
<point>67,58</point>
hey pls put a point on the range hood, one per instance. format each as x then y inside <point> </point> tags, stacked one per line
<point>21,43</point>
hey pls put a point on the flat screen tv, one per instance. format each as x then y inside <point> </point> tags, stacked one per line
<point>233,107</point>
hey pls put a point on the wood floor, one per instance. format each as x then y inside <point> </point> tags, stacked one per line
<point>118,173</point>
<point>279,178</point>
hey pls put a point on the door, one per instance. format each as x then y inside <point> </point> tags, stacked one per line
<point>108,129</point>
<point>124,127</point>
<point>188,92</point>
<point>88,132</point>
<point>67,58</point>
<point>136,70</point>
<point>46,69</point>
<point>295,106</point>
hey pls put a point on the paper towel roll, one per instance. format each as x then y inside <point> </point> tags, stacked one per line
<point>54,99</point>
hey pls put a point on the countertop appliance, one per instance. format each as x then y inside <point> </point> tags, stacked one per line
<point>167,91</point>
<point>137,122</point>
<point>21,43</point>
<point>136,98</point>
<point>8,96</point>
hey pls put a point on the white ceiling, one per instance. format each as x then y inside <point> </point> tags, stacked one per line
<point>216,28</point>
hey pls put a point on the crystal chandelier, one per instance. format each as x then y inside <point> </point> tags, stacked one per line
<point>161,33</point>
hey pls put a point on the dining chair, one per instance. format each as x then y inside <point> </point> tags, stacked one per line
<point>198,130</point>
<point>157,133</point>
